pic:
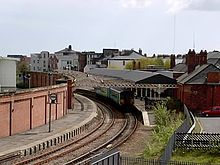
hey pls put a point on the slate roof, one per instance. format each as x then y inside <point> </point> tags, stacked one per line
<point>214,54</point>
<point>131,75</point>
<point>198,76</point>
<point>214,61</point>
<point>181,67</point>
<point>66,50</point>
<point>132,56</point>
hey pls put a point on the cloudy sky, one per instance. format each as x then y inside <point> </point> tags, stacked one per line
<point>28,26</point>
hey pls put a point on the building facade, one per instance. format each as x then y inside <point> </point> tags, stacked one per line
<point>7,74</point>
<point>120,62</point>
<point>68,59</point>
<point>40,62</point>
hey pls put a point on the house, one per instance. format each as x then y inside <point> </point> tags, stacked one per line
<point>111,52</point>
<point>120,62</point>
<point>53,62</point>
<point>199,87</point>
<point>40,61</point>
<point>92,57</point>
<point>70,59</point>
<point>7,74</point>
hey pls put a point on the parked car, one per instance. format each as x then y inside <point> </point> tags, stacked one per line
<point>212,111</point>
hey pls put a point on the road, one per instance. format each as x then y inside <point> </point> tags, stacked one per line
<point>210,124</point>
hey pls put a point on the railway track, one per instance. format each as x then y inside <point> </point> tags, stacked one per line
<point>114,129</point>
<point>125,132</point>
<point>62,149</point>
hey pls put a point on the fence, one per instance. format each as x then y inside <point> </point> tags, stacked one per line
<point>141,161</point>
<point>187,125</point>
<point>197,140</point>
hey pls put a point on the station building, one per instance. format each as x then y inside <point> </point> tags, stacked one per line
<point>144,84</point>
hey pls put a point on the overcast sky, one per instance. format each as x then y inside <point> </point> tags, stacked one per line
<point>28,26</point>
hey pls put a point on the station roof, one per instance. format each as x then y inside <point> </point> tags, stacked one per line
<point>135,76</point>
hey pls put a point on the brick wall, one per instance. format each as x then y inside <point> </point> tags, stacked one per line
<point>199,97</point>
<point>41,79</point>
<point>28,109</point>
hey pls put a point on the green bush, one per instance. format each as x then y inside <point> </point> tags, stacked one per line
<point>167,121</point>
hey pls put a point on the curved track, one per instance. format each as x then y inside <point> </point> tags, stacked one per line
<point>113,129</point>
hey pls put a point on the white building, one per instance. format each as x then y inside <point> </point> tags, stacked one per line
<point>40,62</point>
<point>68,59</point>
<point>119,62</point>
<point>7,74</point>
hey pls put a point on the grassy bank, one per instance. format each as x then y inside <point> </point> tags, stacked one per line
<point>197,156</point>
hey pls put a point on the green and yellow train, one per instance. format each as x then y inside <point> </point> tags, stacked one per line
<point>117,95</point>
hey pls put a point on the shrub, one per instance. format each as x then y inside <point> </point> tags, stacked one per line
<point>167,121</point>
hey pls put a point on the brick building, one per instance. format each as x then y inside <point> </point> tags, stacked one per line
<point>199,87</point>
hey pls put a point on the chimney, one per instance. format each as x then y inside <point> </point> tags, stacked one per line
<point>140,51</point>
<point>202,58</point>
<point>70,47</point>
<point>191,60</point>
<point>172,61</point>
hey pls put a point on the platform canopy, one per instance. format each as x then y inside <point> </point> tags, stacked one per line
<point>134,78</point>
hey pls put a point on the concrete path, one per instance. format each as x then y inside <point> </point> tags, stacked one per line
<point>80,115</point>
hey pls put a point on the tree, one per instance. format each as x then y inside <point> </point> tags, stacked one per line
<point>144,63</point>
<point>167,64</point>
<point>22,67</point>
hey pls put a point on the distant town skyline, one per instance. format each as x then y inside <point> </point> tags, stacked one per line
<point>155,26</point>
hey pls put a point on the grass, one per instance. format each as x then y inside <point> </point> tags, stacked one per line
<point>197,156</point>
<point>167,121</point>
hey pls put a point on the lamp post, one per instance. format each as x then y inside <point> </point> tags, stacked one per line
<point>50,115</point>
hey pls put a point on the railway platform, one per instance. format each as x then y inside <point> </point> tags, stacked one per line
<point>84,111</point>
<point>147,115</point>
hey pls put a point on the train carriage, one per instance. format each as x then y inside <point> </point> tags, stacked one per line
<point>102,91</point>
<point>118,95</point>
